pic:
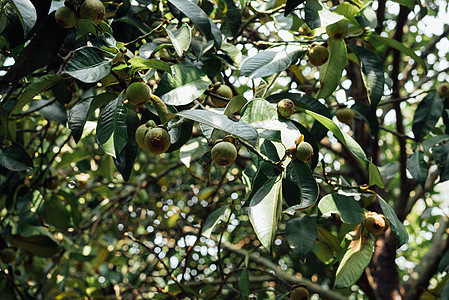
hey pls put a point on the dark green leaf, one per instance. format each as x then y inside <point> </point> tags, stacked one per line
<point>396,226</point>
<point>318,15</point>
<point>89,65</point>
<point>264,211</point>
<point>125,163</point>
<point>331,71</point>
<point>244,283</point>
<point>200,46</point>
<point>42,49</point>
<point>291,5</point>
<point>372,68</point>
<point>271,61</point>
<point>346,207</point>
<point>112,135</point>
<point>199,18</point>
<point>427,115</point>
<point>80,112</point>
<point>353,264</point>
<point>180,135</point>
<point>432,141</point>
<point>418,167</point>
<point>56,213</point>
<point>15,158</point>
<point>300,185</point>
<point>148,49</point>
<point>183,86</point>
<point>27,14</point>
<point>213,219</point>
<point>301,234</point>
<point>368,115</point>
<point>444,262</point>
<point>374,175</point>
<point>232,21</point>
<point>39,245</point>
<point>408,3</point>
<point>441,154</point>
<point>222,122</point>
<point>50,110</point>
<point>138,64</point>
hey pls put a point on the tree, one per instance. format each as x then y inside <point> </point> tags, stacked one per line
<point>336,189</point>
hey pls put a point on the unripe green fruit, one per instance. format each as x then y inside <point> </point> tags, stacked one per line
<point>140,135</point>
<point>157,140</point>
<point>338,30</point>
<point>65,17</point>
<point>344,115</point>
<point>299,293</point>
<point>138,93</point>
<point>304,152</point>
<point>224,153</point>
<point>285,108</point>
<point>223,91</point>
<point>443,90</point>
<point>318,55</point>
<point>92,10</point>
<point>376,224</point>
<point>8,255</point>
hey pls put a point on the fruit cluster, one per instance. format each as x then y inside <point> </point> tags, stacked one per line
<point>152,138</point>
<point>92,10</point>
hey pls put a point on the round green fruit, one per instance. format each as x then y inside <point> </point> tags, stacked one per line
<point>318,55</point>
<point>376,223</point>
<point>223,91</point>
<point>224,153</point>
<point>140,135</point>
<point>157,140</point>
<point>138,93</point>
<point>8,255</point>
<point>65,17</point>
<point>337,30</point>
<point>344,115</point>
<point>443,90</point>
<point>285,108</point>
<point>92,10</point>
<point>304,152</point>
<point>299,293</point>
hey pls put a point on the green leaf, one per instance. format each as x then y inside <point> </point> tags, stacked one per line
<point>301,234</point>
<point>235,105</point>
<point>232,52</point>
<point>299,185</point>
<point>441,154</point>
<point>81,111</point>
<point>244,283</point>
<point>427,115</point>
<point>396,226</point>
<point>195,147</point>
<point>200,19</point>
<point>368,115</point>
<point>372,68</point>
<point>39,245</point>
<point>222,122</point>
<point>398,46</point>
<point>155,45</point>
<point>213,219</point>
<point>353,264</point>
<point>265,210</point>
<point>15,158</point>
<point>343,137</point>
<point>89,65</point>
<point>125,161</point>
<point>408,3</point>
<point>346,207</point>
<point>56,213</point>
<point>367,17</point>
<point>291,5</point>
<point>233,20</point>
<point>37,86</point>
<point>27,14</point>
<point>318,15</point>
<point>112,135</point>
<point>348,10</point>
<point>418,167</point>
<point>258,110</point>
<point>138,64</point>
<point>271,61</point>
<point>331,71</point>
<point>432,141</point>
<point>180,37</point>
<point>444,262</point>
<point>374,176</point>
<point>183,86</point>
